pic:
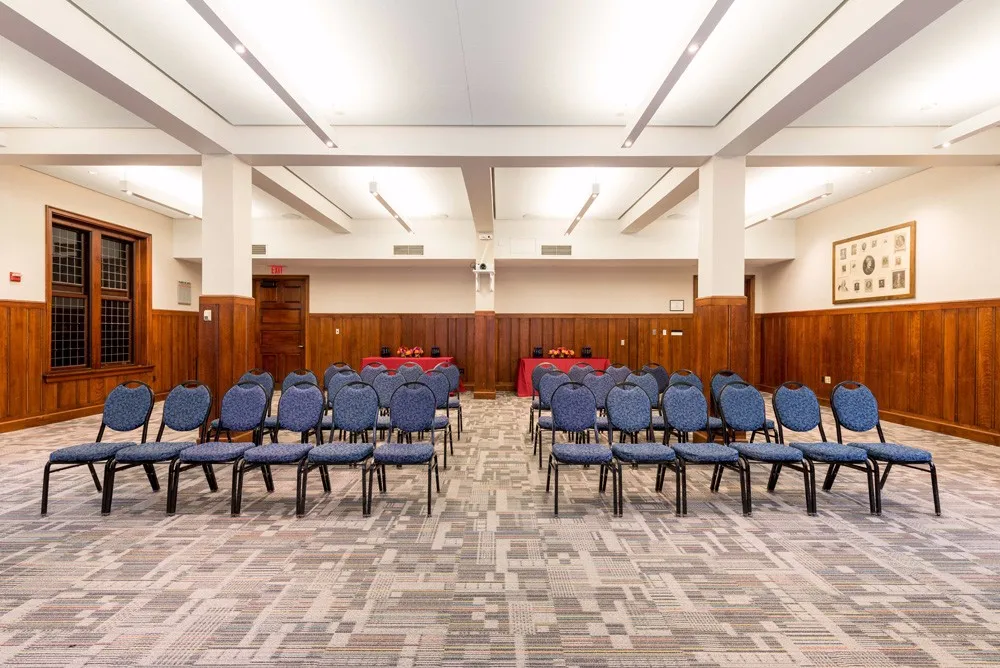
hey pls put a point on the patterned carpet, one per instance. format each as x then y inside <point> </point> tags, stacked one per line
<point>492,578</point>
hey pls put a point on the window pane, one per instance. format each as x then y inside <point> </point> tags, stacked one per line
<point>114,264</point>
<point>67,256</point>
<point>69,331</point>
<point>116,331</point>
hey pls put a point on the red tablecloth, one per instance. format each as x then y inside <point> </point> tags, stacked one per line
<point>528,364</point>
<point>426,363</point>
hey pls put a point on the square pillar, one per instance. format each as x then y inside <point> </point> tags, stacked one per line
<point>485,328</point>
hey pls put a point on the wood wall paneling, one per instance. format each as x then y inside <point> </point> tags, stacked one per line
<point>227,345</point>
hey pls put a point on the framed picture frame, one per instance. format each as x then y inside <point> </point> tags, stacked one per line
<point>676,305</point>
<point>876,266</point>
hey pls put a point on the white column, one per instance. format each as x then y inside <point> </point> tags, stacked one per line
<point>227,194</point>
<point>722,231</point>
<point>485,299</point>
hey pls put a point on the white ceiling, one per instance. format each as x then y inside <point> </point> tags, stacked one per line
<point>560,192</point>
<point>948,72</point>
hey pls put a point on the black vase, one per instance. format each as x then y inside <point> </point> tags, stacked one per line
<point>435,351</point>
<point>536,351</point>
<point>586,352</point>
<point>385,351</point>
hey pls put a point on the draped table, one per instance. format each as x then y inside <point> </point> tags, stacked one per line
<point>426,363</point>
<point>527,364</point>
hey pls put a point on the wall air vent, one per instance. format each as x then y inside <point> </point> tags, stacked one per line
<point>407,250</point>
<point>258,249</point>
<point>557,249</point>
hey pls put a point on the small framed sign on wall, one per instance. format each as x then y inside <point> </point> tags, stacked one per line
<point>876,266</point>
<point>676,304</point>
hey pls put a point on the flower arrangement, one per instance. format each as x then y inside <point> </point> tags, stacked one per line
<point>403,351</point>
<point>562,352</point>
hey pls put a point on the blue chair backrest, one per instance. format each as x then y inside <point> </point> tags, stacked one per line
<point>333,370</point>
<point>619,372</point>
<point>411,408</point>
<point>300,407</point>
<point>647,382</point>
<point>453,373</point>
<point>538,372</point>
<point>386,383</point>
<point>298,376</point>
<point>600,383</point>
<point>686,376</point>
<point>262,378</point>
<point>574,408</point>
<point>721,379</point>
<point>187,407</point>
<point>371,370</point>
<point>579,371</point>
<point>128,406</point>
<point>339,380</point>
<point>243,407</point>
<point>438,382</point>
<point>629,408</point>
<point>741,407</point>
<point>355,407</point>
<point>411,371</point>
<point>854,406</point>
<point>548,385</point>
<point>685,408</point>
<point>796,407</point>
<point>660,374</point>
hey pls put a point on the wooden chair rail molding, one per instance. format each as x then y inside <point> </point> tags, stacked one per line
<point>933,365</point>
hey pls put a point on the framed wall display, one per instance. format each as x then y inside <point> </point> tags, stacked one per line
<point>676,304</point>
<point>876,266</point>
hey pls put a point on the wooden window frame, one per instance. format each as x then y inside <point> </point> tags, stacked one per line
<point>141,257</point>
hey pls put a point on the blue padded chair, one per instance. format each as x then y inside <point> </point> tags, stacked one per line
<point>336,367</point>
<point>600,383</point>
<point>332,372</point>
<point>370,370</point>
<point>742,409</point>
<point>455,383</point>
<point>126,408</point>
<point>386,384</point>
<point>411,411</point>
<point>355,410</point>
<point>438,382</point>
<point>574,411</point>
<point>186,408</point>
<point>333,386</point>
<point>647,382</point>
<point>619,372</point>
<point>300,410</point>
<point>797,409</point>
<point>685,411</point>
<point>629,412</point>
<point>292,378</point>
<point>578,371</point>
<point>411,371</point>
<point>546,386</point>
<point>719,381</point>
<point>536,378</point>
<point>691,378</point>
<point>243,409</point>
<point>855,409</point>
<point>260,377</point>
<point>661,375</point>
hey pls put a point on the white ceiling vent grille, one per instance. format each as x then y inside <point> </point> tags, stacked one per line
<point>407,250</point>
<point>258,249</point>
<point>557,249</point>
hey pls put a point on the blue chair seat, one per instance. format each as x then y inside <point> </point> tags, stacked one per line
<point>327,422</point>
<point>441,421</point>
<point>152,452</point>
<point>602,423</point>
<point>544,422</point>
<point>404,453</point>
<point>770,423</point>
<point>768,452</point>
<point>706,453</point>
<point>87,452</point>
<point>894,452</point>
<point>454,402</point>
<point>658,423</point>
<point>833,453</point>
<point>714,422</point>
<point>215,452</point>
<point>271,422</point>
<point>384,422</point>
<point>581,453</point>
<point>643,453</point>
<point>277,453</point>
<point>535,403</point>
<point>340,453</point>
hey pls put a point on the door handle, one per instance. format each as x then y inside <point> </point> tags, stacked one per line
<point>302,346</point>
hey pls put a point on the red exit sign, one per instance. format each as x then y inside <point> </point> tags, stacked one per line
<point>277,269</point>
<point>15,277</point>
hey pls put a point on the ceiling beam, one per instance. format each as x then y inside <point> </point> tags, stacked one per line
<point>288,188</point>
<point>970,127</point>
<point>855,37</point>
<point>675,187</point>
<point>645,112</point>
<point>77,146</point>
<point>478,178</point>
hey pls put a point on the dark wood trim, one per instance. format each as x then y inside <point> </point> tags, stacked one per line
<point>913,265</point>
<point>721,301</point>
<point>103,372</point>
<point>863,310</point>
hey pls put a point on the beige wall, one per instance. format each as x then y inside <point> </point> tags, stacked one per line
<point>390,289</point>
<point>957,210</point>
<point>24,195</point>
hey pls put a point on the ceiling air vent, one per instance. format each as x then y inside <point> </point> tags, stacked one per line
<point>258,249</point>
<point>557,249</point>
<point>407,250</point>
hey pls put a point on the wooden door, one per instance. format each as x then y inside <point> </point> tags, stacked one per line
<point>282,307</point>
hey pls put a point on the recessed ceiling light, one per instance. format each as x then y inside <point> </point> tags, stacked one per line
<point>595,191</point>
<point>239,48</point>
<point>946,144</point>
<point>628,143</point>
<point>329,143</point>
<point>694,47</point>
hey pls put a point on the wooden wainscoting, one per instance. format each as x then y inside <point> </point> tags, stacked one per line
<point>28,400</point>
<point>363,335</point>
<point>517,334</point>
<point>933,366</point>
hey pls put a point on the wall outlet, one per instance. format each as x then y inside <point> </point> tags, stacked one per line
<point>654,332</point>
<point>664,332</point>
<point>207,315</point>
<point>826,379</point>
<point>336,331</point>
<point>623,342</point>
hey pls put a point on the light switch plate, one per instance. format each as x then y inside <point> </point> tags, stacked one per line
<point>623,342</point>
<point>336,331</point>
<point>664,332</point>
<point>826,379</point>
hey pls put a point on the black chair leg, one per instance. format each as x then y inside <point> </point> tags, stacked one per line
<point>213,485</point>
<point>151,474</point>
<point>684,489</point>
<point>300,488</point>
<point>548,477</point>
<point>746,490</point>
<point>934,488</point>
<point>885,474</point>
<point>235,504</point>
<point>831,475</point>
<point>437,477</point>
<point>616,490</point>
<point>371,475</point>
<point>678,468</point>
<point>807,476</point>
<point>173,480</point>
<point>429,488</point>
<point>364,490</point>
<point>93,474</point>
<point>716,478</point>
<point>324,476</point>
<point>109,486</point>
<point>620,491</point>
<point>556,495</point>
<point>45,488</point>
<point>265,471</point>
<point>772,482</point>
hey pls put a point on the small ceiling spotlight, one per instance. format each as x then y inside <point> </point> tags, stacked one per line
<point>239,48</point>
<point>694,48</point>
<point>595,191</point>
<point>373,189</point>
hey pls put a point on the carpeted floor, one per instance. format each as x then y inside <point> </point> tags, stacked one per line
<point>492,578</point>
